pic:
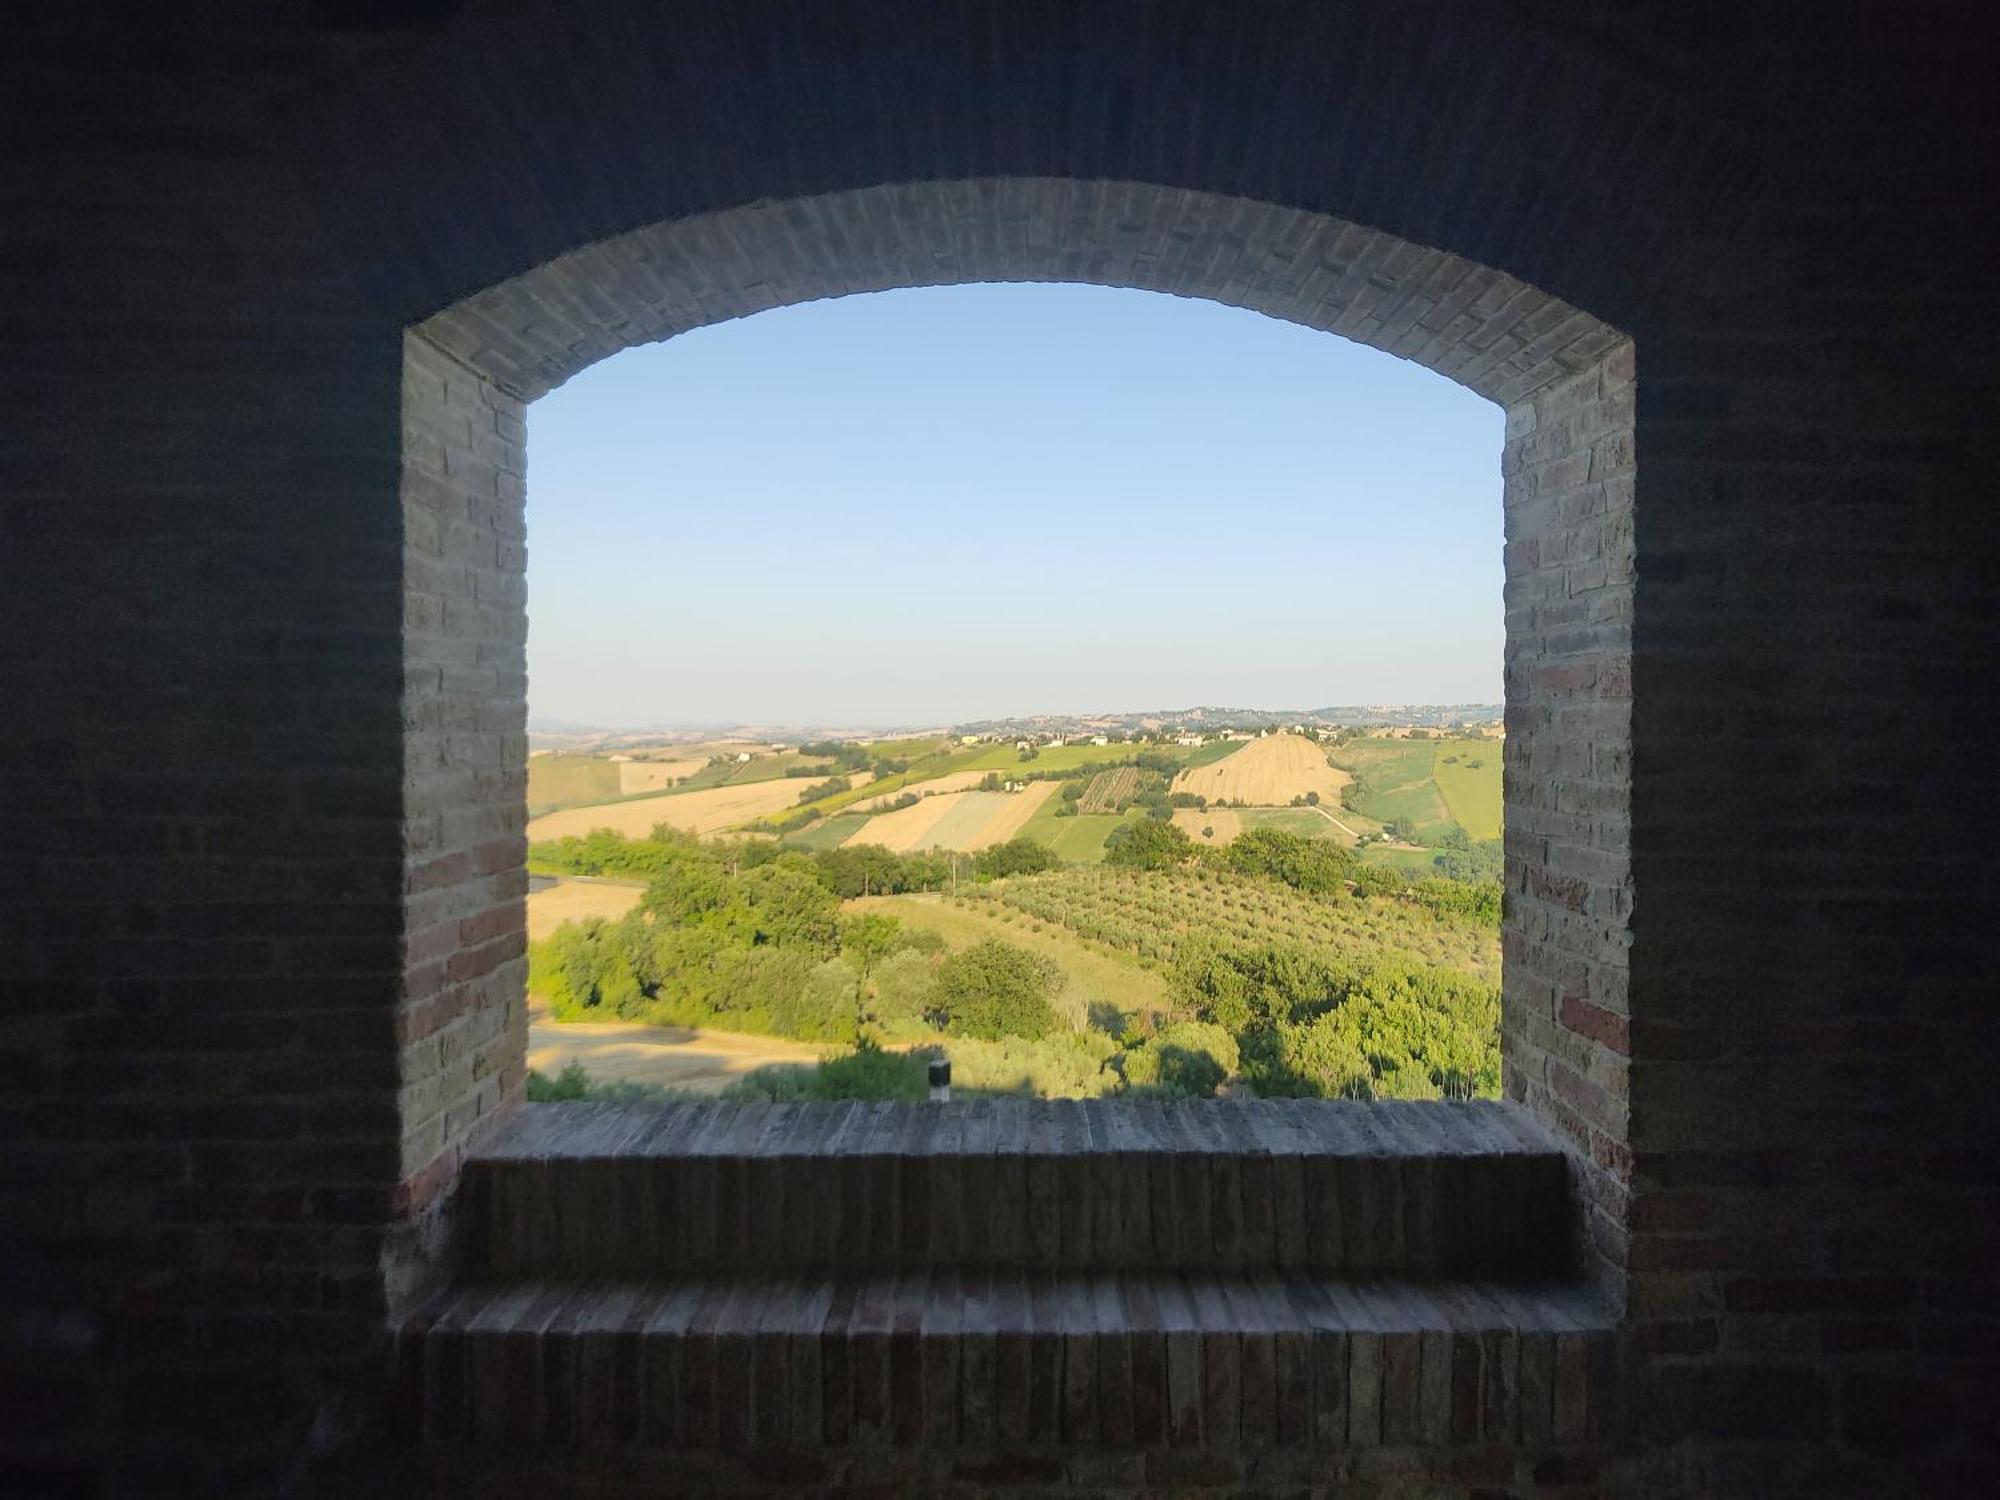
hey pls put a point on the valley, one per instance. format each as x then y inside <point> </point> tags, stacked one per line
<point>1290,909</point>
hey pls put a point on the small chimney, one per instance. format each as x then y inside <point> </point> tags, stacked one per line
<point>940,1080</point>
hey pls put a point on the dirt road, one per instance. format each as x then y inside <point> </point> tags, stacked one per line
<point>675,1057</point>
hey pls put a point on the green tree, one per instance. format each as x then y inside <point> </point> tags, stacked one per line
<point>785,905</point>
<point>866,939</point>
<point>1147,845</point>
<point>992,990</point>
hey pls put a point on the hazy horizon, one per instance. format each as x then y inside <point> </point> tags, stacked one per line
<point>944,505</point>
<point>554,723</point>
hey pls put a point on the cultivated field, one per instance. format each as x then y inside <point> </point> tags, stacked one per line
<point>704,812</point>
<point>1147,912</point>
<point>1469,777</point>
<point>907,828</point>
<point>654,775</point>
<point>955,781</point>
<point>1108,788</point>
<point>1266,772</point>
<point>1395,781</point>
<point>966,821</point>
<point>827,833</point>
<point>559,780</point>
<point>1228,823</point>
<point>1020,806</point>
<point>1212,825</point>
<point>1005,758</point>
<point>1079,838</point>
<point>571,899</point>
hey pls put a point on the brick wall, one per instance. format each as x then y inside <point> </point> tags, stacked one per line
<point>461,1020</point>
<point>200,645</point>
<point>1568,467</point>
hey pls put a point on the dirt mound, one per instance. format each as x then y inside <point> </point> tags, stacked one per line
<point>1267,772</point>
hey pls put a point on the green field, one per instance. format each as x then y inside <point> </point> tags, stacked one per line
<point>1080,839</point>
<point>827,833</point>
<point>1416,863</point>
<point>1108,978</point>
<point>1209,754</point>
<point>1394,781</point>
<point>568,781</point>
<point>1472,792</point>
<point>905,749</point>
<point>1005,758</point>
<point>925,769</point>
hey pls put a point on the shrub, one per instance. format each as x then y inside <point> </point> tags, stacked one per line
<point>1146,845</point>
<point>1068,1066</point>
<point>825,1008</point>
<point>870,1073</point>
<point>901,992</point>
<point>571,1083</point>
<point>1190,1059</point>
<point>1017,856</point>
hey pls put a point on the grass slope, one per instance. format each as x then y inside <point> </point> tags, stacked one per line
<point>1079,839</point>
<point>1094,976</point>
<point>1209,754</point>
<point>827,833</point>
<point>1472,792</point>
<point>569,780</point>
<point>1395,781</point>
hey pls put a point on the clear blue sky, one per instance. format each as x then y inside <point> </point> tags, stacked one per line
<point>943,504</point>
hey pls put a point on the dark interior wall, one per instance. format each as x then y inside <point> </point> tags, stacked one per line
<point>201,616</point>
<point>213,228</point>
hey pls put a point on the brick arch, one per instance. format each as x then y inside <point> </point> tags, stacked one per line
<point>1483,328</point>
<point>1564,377</point>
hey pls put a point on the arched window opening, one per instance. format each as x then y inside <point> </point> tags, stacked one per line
<point>1096,691</point>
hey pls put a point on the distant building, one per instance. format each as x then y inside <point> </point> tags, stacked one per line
<point>619,760</point>
<point>742,757</point>
<point>1190,741</point>
<point>1100,739</point>
<point>968,739</point>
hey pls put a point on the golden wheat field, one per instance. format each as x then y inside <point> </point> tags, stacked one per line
<point>965,821</point>
<point>709,811</point>
<point>955,781</point>
<point>576,900</point>
<point>1267,772</point>
<point>907,828</point>
<point>1013,815</point>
